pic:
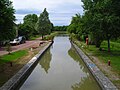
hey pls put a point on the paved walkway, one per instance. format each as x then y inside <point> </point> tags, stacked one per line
<point>28,44</point>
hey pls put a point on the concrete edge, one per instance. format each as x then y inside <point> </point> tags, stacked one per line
<point>102,80</point>
<point>19,78</point>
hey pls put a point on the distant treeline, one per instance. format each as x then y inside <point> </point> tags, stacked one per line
<point>60,28</point>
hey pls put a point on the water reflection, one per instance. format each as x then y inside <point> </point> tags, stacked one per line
<point>45,61</point>
<point>88,80</point>
<point>77,58</point>
<point>85,84</point>
<point>60,68</point>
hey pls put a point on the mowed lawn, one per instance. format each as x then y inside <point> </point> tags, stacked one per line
<point>104,55</point>
<point>13,56</point>
<point>113,56</point>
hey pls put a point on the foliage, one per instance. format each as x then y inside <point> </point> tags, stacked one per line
<point>60,28</point>
<point>118,40</point>
<point>7,19</point>
<point>103,18</point>
<point>43,25</point>
<point>8,48</point>
<point>75,23</point>
<point>27,29</point>
<point>100,21</point>
<point>51,36</point>
<point>31,20</point>
<point>76,26</point>
<point>73,37</point>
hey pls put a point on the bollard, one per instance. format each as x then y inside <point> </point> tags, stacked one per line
<point>109,62</point>
<point>11,64</point>
<point>86,41</point>
<point>31,49</point>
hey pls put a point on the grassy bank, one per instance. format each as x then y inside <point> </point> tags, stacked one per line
<point>6,70</point>
<point>13,56</point>
<point>53,34</point>
<point>48,37</point>
<point>34,37</point>
<point>104,55</point>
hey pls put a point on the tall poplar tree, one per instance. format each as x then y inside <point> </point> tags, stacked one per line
<point>43,24</point>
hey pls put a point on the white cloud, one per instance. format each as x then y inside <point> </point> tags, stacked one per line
<point>39,4</point>
<point>62,9</point>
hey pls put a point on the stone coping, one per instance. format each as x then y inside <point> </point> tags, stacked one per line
<point>103,81</point>
<point>16,81</point>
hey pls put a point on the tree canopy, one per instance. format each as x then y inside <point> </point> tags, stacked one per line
<point>101,20</point>
<point>28,27</point>
<point>104,18</point>
<point>7,19</point>
<point>60,28</point>
<point>43,24</point>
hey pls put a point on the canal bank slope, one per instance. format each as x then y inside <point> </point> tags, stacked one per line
<point>15,82</point>
<point>103,81</point>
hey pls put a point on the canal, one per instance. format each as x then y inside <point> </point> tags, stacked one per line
<point>60,68</point>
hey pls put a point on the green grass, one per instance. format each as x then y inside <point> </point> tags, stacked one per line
<point>51,36</point>
<point>34,37</point>
<point>116,81</point>
<point>104,56</point>
<point>114,55</point>
<point>13,56</point>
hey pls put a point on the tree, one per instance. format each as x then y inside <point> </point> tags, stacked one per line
<point>27,29</point>
<point>103,19</point>
<point>31,20</point>
<point>7,19</point>
<point>60,28</point>
<point>76,25</point>
<point>52,27</point>
<point>92,21</point>
<point>8,48</point>
<point>43,24</point>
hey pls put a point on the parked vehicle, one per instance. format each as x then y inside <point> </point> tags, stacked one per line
<point>15,41</point>
<point>22,39</point>
<point>19,40</point>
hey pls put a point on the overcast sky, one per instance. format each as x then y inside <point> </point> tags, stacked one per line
<point>60,11</point>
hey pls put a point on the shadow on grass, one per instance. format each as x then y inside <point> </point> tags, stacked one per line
<point>115,52</point>
<point>106,53</point>
<point>7,71</point>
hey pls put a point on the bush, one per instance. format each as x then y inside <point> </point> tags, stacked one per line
<point>50,37</point>
<point>8,48</point>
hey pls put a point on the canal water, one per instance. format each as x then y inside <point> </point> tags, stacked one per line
<point>60,68</point>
